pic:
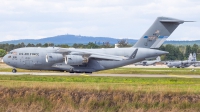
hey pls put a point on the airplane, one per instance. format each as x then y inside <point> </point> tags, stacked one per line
<point>197,63</point>
<point>147,63</point>
<point>91,60</point>
<point>183,64</point>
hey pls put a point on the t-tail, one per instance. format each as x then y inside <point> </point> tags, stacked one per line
<point>156,35</point>
<point>194,57</point>
<point>190,58</point>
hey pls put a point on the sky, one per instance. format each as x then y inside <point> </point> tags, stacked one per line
<point>35,19</point>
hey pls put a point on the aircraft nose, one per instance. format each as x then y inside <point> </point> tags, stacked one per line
<point>4,59</point>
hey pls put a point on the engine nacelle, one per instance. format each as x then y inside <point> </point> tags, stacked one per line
<point>54,57</point>
<point>75,60</point>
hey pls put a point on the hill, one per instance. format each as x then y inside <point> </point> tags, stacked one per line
<point>71,39</point>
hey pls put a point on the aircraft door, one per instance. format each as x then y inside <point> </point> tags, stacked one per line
<point>14,60</point>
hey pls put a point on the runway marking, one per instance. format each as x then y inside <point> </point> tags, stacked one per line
<point>180,76</point>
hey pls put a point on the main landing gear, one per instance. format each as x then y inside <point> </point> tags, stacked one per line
<point>14,70</point>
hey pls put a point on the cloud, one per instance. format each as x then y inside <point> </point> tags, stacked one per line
<point>120,19</point>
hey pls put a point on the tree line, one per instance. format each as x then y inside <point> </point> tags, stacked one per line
<point>179,52</point>
<point>175,52</point>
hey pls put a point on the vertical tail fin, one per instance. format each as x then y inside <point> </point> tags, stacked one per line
<point>190,58</point>
<point>194,57</point>
<point>161,29</point>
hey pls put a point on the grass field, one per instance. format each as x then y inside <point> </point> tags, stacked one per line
<point>79,93</point>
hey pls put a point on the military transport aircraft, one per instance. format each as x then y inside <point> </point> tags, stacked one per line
<point>149,62</point>
<point>91,60</point>
<point>186,63</point>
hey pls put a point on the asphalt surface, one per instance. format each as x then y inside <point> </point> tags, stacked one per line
<point>103,75</point>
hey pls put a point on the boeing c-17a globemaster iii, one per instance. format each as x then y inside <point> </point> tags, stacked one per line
<point>91,60</point>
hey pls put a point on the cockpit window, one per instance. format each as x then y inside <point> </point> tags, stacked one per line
<point>9,56</point>
<point>15,53</point>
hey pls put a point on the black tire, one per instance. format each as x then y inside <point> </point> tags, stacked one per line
<point>89,72</point>
<point>14,70</point>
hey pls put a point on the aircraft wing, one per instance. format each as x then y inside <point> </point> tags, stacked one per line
<point>108,57</point>
<point>196,62</point>
<point>91,54</point>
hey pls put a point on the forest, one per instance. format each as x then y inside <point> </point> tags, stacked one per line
<point>180,52</point>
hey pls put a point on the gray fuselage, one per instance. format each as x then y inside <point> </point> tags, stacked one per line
<point>35,58</point>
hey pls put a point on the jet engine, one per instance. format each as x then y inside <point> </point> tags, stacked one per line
<point>75,60</point>
<point>54,57</point>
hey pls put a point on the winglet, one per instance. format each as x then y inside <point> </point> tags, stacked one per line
<point>133,54</point>
<point>174,21</point>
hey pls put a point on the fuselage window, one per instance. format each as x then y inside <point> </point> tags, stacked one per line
<point>20,53</point>
<point>26,53</point>
<point>14,56</point>
<point>50,57</point>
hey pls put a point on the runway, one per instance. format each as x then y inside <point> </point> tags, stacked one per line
<point>100,75</point>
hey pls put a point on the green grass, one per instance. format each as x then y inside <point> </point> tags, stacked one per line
<point>105,83</point>
<point>127,80</point>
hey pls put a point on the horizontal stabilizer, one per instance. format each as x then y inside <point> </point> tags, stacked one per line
<point>174,21</point>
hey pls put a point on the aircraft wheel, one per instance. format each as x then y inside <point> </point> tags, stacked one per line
<point>71,70</point>
<point>14,70</point>
<point>89,72</point>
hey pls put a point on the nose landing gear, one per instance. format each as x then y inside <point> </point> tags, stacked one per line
<point>14,70</point>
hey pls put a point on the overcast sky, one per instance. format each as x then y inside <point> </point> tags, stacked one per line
<point>35,19</point>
